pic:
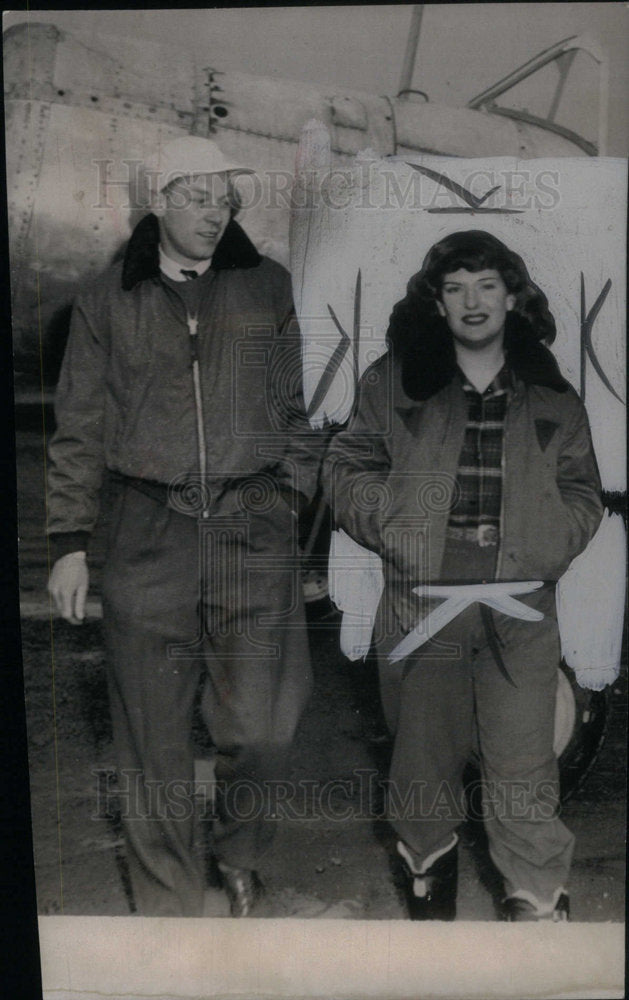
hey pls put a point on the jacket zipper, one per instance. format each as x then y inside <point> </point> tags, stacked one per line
<point>193,332</point>
<point>192,323</point>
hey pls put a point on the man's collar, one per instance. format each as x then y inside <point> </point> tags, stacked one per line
<point>173,270</point>
<point>141,259</point>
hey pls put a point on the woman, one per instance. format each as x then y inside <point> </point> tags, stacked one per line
<point>468,462</point>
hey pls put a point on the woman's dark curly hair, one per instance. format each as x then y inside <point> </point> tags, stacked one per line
<point>421,338</point>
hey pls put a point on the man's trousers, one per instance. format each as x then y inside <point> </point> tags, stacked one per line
<point>450,698</point>
<point>217,602</point>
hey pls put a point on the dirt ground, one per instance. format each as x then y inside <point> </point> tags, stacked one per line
<point>322,864</point>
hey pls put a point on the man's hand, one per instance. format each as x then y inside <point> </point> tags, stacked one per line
<point>68,584</point>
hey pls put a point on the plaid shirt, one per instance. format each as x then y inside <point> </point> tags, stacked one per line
<point>475,515</point>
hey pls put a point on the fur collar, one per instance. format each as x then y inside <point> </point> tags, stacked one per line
<point>424,374</point>
<point>141,259</point>
<point>533,363</point>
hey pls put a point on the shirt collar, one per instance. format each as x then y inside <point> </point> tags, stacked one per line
<point>172,269</point>
<point>503,382</point>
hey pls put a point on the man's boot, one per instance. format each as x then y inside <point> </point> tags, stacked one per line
<point>431,889</point>
<point>243,887</point>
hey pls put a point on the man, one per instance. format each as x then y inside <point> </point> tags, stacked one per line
<point>181,379</point>
<point>481,456</point>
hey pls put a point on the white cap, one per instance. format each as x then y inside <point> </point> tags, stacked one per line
<point>185,157</point>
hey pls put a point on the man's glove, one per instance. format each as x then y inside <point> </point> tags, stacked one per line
<point>68,585</point>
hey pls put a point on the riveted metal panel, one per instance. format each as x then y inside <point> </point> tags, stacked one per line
<point>141,72</point>
<point>26,128</point>
<point>69,203</point>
